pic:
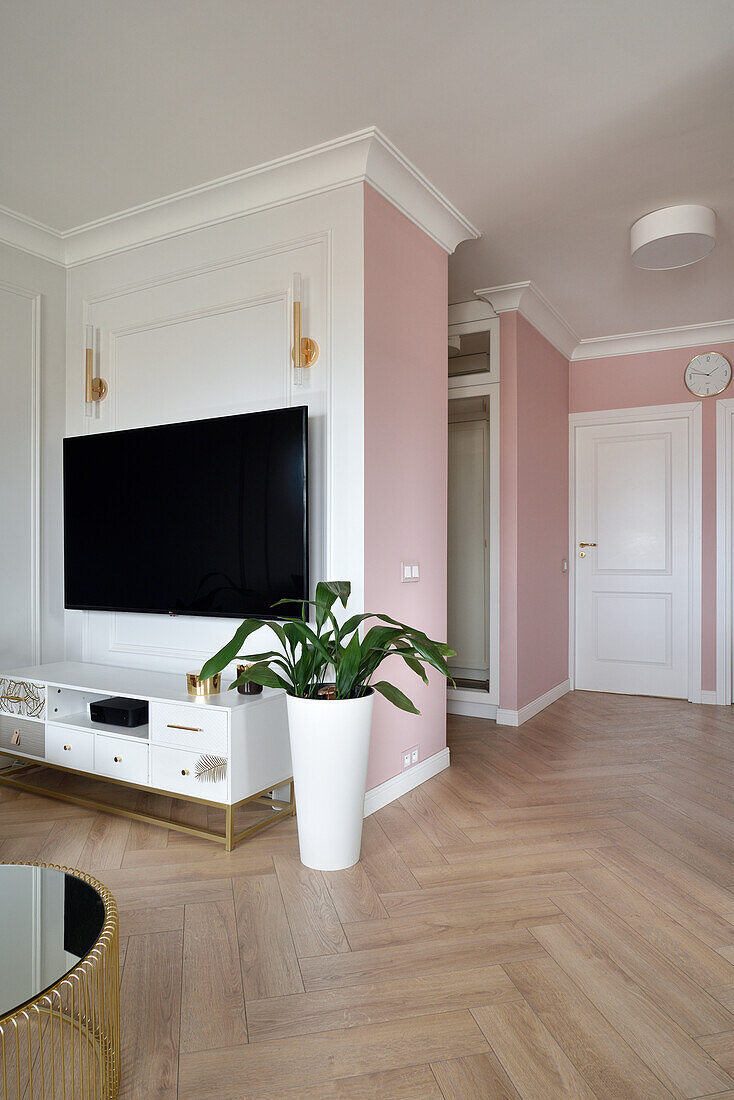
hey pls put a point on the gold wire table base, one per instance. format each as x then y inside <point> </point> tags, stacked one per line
<point>14,776</point>
<point>65,1044</point>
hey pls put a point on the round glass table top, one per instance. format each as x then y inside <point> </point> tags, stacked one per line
<point>49,920</point>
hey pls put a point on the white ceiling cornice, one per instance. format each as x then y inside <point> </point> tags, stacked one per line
<point>462,312</point>
<point>395,177</point>
<point>535,308</point>
<point>363,157</point>
<point>664,339</point>
<point>31,236</point>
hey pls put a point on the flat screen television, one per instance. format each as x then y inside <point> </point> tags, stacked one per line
<point>204,518</point>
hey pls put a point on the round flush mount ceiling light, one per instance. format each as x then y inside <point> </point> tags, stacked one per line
<point>673,237</point>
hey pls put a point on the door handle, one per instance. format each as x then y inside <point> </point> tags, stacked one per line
<point>587,544</point>
<point>582,552</point>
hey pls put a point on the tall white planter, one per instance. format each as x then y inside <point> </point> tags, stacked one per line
<point>330,744</point>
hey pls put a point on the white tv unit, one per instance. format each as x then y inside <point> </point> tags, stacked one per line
<point>44,721</point>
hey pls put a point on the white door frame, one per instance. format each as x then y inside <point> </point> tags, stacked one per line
<point>690,411</point>
<point>475,702</point>
<point>724,548</point>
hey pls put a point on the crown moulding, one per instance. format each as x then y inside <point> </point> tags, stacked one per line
<point>363,157</point>
<point>528,300</point>
<point>525,298</point>
<point>663,339</point>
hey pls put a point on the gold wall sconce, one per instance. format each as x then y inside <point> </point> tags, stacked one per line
<point>305,350</point>
<point>95,389</point>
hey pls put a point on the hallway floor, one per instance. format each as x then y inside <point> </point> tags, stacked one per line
<point>553,916</point>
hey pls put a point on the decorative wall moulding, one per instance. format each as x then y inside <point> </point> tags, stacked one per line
<point>664,339</point>
<point>535,308</point>
<point>31,236</point>
<point>363,157</point>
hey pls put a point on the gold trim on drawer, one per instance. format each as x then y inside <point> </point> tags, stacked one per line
<point>22,698</point>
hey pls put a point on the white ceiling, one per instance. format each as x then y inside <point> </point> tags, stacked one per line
<point>551,124</point>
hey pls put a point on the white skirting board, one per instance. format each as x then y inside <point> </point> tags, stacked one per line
<point>709,698</point>
<point>517,717</point>
<point>400,784</point>
<point>471,708</point>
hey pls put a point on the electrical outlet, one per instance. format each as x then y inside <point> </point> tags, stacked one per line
<point>410,757</point>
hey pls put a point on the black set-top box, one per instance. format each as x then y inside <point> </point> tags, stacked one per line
<point>119,712</point>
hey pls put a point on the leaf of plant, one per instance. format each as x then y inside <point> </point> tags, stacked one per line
<point>327,593</point>
<point>428,651</point>
<point>354,621</point>
<point>308,637</point>
<point>416,667</point>
<point>228,652</point>
<point>276,659</point>
<point>251,658</point>
<point>395,696</point>
<point>262,674</point>
<point>347,666</point>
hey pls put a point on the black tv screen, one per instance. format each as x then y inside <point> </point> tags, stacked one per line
<point>204,518</point>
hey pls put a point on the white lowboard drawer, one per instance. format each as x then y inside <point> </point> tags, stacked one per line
<point>175,770</point>
<point>70,747</point>
<point>121,758</point>
<point>199,728</point>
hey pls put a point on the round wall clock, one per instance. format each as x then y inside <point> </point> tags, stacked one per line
<point>707,374</point>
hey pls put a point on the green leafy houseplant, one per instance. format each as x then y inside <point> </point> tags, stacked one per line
<point>308,656</point>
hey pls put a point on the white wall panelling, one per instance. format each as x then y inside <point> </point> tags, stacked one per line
<point>200,326</point>
<point>45,284</point>
<point>20,491</point>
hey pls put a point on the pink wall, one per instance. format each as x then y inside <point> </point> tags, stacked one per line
<point>405,452</point>
<point>533,513</point>
<point>656,378</point>
<point>508,510</point>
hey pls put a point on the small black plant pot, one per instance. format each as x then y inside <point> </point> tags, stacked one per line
<point>247,689</point>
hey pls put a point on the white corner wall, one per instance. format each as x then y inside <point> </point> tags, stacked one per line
<point>42,283</point>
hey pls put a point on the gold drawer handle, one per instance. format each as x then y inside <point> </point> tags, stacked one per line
<point>191,729</point>
<point>15,739</point>
<point>67,748</point>
<point>184,771</point>
<point>117,759</point>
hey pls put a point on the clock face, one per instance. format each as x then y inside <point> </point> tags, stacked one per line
<point>708,374</point>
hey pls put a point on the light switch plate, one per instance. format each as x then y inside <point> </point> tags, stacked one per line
<point>410,572</point>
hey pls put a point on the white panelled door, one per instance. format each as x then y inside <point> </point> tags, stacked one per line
<point>632,581</point>
<point>468,593</point>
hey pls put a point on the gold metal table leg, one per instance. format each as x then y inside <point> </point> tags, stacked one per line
<point>15,776</point>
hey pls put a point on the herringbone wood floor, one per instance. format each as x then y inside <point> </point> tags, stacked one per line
<point>551,917</point>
